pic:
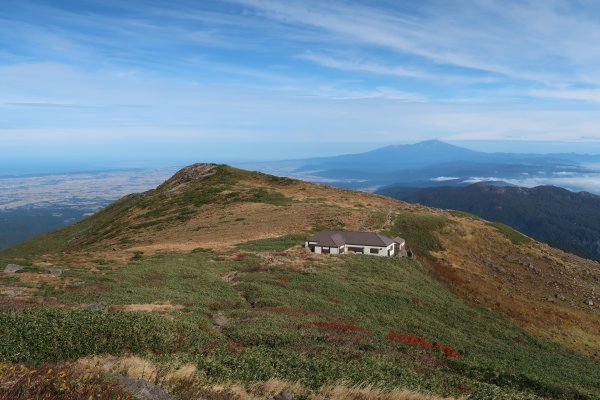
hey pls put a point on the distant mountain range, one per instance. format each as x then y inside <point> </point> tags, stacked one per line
<point>436,163</point>
<point>563,219</point>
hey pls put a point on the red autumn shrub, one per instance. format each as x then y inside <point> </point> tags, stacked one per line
<point>415,341</point>
<point>235,347</point>
<point>450,352</point>
<point>409,339</point>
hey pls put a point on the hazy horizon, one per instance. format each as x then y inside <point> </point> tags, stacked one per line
<point>64,161</point>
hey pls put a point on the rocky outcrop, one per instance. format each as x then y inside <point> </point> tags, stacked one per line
<point>188,174</point>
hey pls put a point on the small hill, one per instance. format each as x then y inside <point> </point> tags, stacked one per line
<point>566,220</point>
<point>202,285</point>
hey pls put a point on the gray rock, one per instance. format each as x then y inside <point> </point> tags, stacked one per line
<point>284,395</point>
<point>220,320</point>
<point>500,269</point>
<point>230,276</point>
<point>54,271</point>
<point>560,296</point>
<point>143,389</point>
<point>12,268</point>
<point>11,292</point>
<point>588,302</point>
<point>101,307</point>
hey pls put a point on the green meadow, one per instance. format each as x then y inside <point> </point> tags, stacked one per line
<point>356,319</point>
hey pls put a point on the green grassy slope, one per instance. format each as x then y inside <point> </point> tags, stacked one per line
<point>265,309</point>
<point>155,209</point>
<point>358,319</point>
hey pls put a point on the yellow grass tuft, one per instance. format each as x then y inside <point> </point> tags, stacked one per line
<point>138,368</point>
<point>342,392</point>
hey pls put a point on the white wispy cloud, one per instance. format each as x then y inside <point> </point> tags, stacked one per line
<point>591,95</point>
<point>507,38</point>
<point>281,70</point>
<point>390,70</point>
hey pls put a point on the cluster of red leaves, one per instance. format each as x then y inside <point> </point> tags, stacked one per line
<point>335,326</point>
<point>416,341</point>
<point>449,351</point>
<point>54,381</point>
<point>281,278</point>
<point>235,347</point>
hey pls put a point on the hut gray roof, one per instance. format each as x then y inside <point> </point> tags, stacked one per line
<point>340,238</point>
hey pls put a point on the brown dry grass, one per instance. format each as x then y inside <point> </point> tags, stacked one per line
<point>219,228</point>
<point>184,381</point>
<point>139,368</point>
<point>54,381</point>
<point>368,393</point>
<point>522,282</point>
<point>267,389</point>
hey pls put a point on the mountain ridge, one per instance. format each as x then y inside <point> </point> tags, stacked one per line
<point>562,218</point>
<point>215,255</point>
<point>423,162</point>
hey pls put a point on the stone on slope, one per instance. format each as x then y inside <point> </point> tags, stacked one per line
<point>284,395</point>
<point>143,389</point>
<point>12,268</point>
<point>589,302</point>
<point>102,307</point>
<point>54,271</point>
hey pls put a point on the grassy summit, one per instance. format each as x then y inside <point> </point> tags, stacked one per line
<point>224,292</point>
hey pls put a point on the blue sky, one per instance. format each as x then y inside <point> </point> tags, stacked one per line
<point>111,82</point>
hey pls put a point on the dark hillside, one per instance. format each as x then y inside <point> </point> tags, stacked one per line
<point>563,219</point>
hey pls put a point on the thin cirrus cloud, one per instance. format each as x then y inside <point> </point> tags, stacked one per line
<point>507,38</point>
<point>274,70</point>
<point>346,64</point>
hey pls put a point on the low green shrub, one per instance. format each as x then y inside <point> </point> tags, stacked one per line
<point>419,231</point>
<point>279,243</point>
<point>41,335</point>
